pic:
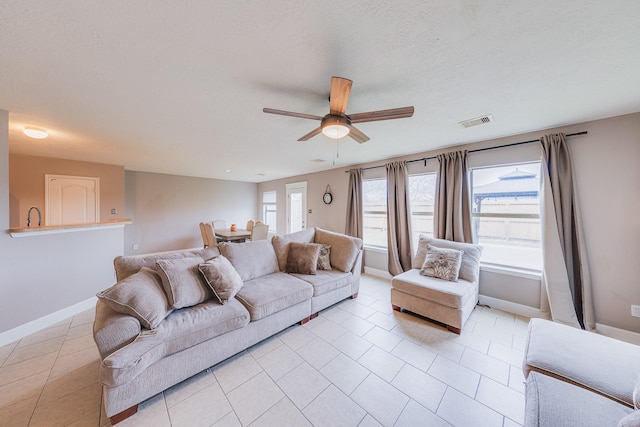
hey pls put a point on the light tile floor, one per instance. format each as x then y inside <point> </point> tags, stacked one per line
<point>357,364</point>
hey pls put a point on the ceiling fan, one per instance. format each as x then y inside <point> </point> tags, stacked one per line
<point>338,124</point>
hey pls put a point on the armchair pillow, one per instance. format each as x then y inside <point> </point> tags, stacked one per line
<point>182,282</point>
<point>303,258</point>
<point>470,265</point>
<point>442,263</point>
<point>222,278</point>
<point>140,295</point>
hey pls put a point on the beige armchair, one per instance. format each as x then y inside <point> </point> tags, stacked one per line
<point>260,232</point>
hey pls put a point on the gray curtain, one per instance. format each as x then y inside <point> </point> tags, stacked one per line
<point>565,274</point>
<point>452,220</point>
<point>354,204</point>
<point>398,218</point>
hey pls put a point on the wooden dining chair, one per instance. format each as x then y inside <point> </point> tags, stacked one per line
<point>260,232</point>
<point>208,235</point>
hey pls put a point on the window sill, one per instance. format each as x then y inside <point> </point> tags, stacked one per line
<point>511,271</point>
<point>378,249</point>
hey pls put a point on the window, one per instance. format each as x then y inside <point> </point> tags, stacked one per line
<point>374,212</point>
<point>422,190</point>
<point>506,214</point>
<point>269,209</point>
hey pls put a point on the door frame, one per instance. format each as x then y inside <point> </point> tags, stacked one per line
<point>290,189</point>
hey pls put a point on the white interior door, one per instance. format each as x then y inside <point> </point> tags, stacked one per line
<point>296,206</point>
<point>71,200</point>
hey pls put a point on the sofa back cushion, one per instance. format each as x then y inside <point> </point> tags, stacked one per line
<point>344,249</point>
<point>127,265</point>
<point>281,244</point>
<point>251,259</point>
<point>470,264</point>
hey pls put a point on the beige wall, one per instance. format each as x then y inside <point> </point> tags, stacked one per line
<point>40,275</point>
<point>166,209</point>
<point>608,183</point>
<point>27,185</point>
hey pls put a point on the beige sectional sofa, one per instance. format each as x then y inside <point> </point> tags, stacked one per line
<point>148,343</point>
<point>579,378</point>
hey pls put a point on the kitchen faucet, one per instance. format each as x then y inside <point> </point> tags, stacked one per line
<point>29,216</point>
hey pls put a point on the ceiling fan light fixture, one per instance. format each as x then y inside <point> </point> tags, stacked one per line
<point>335,127</point>
<point>35,132</point>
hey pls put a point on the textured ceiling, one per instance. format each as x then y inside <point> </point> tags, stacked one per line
<point>178,87</point>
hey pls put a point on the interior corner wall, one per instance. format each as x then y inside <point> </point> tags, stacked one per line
<point>166,209</point>
<point>40,275</point>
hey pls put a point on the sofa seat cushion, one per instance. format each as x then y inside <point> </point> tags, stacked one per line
<point>579,356</point>
<point>551,403</point>
<point>444,292</point>
<point>182,329</point>
<point>326,280</point>
<point>272,293</point>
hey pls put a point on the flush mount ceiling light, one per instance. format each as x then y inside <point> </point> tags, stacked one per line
<point>335,127</point>
<point>35,132</point>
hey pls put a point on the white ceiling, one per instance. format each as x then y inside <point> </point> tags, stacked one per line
<point>178,87</point>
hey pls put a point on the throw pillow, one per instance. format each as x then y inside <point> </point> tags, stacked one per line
<point>303,258</point>
<point>442,263</point>
<point>631,420</point>
<point>182,281</point>
<point>324,257</point>
<point>141,296</point>
<point>221,277</point>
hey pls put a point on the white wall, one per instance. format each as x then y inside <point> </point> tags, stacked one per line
<point>166,209</point>
<point>608,184</point>
<point>40,275</point>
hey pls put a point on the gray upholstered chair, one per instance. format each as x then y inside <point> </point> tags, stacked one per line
<point>260,232</point>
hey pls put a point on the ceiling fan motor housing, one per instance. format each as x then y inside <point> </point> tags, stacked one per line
<point>335,126</point>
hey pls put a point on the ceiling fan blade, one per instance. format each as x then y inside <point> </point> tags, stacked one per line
<point>356,134</point>
<point>310,134</point>
<point>339,98</point>
<point>290,113</point>
<point>372,116</point>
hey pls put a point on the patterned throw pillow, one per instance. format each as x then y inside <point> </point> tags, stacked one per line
<point>324,258</point>
<point>442,263</point>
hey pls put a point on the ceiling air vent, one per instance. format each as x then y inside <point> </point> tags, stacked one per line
<point>477,121</point>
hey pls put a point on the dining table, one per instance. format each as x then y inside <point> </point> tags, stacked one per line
<point>232,236</point>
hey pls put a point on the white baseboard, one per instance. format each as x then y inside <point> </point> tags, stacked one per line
<point>512,307</point>
<point>620,334</point>
<point>44,322</point>
<point>378,273</point>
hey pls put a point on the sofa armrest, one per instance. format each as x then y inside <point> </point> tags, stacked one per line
<point>113,330</point>
<point>604,365</point>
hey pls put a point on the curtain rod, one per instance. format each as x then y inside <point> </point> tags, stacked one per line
<point>424,159</point>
